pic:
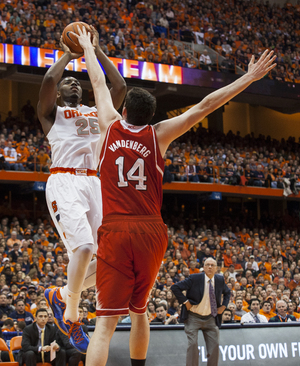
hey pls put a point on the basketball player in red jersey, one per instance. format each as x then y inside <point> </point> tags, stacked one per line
<point>132,238</point>
<point>73,190</point>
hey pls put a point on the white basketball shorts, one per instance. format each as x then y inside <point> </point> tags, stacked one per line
<point>75,205</point>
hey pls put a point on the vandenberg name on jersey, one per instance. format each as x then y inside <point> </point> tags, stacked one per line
<point>130,144</point>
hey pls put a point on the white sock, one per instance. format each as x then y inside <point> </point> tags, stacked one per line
<point>71,312</point>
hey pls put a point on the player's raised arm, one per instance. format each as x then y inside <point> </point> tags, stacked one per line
<point>106,111</point>
<point>170,129</point>
<point>46,108</point>
<point>118,86</point>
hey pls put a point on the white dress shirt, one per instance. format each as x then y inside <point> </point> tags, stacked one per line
<point>204,308</point>
<point>249,318</point>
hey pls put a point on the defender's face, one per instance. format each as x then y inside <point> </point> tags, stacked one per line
<point>70,88</point>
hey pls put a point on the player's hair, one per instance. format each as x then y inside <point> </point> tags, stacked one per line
<point>140,105</point>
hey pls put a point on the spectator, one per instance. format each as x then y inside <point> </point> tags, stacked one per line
<point>227,317</point>
<point>253,316</point>
<point>266,310</point>
<point>50,317</point>
<point>292,307</point>
<point>174,307</point>
<point>36,340</point>
<point>205,60</point>
<point>239,308</point>
<point>162,317</point>
<point>28,111</point>
<point>282,315</point>
<point>43,160</point>
<point>4,307</point>
<point>20,313</point>
<point>151,310</point>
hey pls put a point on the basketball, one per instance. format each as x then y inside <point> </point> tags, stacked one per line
<point>70,40</point>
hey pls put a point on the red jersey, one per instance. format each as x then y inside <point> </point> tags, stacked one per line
<point>131,170</point>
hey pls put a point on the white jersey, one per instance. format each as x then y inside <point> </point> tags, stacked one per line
<point>75,138</point>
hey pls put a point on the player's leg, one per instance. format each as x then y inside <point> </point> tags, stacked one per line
<point>68,211</point>
<point>139,338</point>
<point>148,247</point>
<point>77,269</point>
<point>97,352</point>
<point>90,277</point>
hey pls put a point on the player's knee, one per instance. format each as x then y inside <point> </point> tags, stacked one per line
<point>85,251</point>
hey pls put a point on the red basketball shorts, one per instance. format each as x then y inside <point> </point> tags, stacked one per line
<point>130,252</point>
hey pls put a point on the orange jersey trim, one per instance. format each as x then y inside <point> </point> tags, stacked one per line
<point>78,171</point>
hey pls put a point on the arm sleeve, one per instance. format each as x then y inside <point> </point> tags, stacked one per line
<point>26,342</point>
<point>178,287</point>
<point>226,294</point>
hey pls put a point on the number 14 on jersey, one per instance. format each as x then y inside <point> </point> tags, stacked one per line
<point>138,167</point>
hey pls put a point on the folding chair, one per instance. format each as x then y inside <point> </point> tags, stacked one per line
<point>15,344</point>
<point>3,347</point>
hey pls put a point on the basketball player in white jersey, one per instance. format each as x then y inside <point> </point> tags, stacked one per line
<point>73,190</point>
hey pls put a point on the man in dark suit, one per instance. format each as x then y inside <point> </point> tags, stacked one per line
<point>36,340</point>
<point>203,310</point>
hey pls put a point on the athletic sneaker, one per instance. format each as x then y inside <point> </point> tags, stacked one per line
<point>58,307</point>
<point>77,336</point>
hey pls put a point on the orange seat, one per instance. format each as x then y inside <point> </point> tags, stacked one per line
<point>43,364</point>
<point>3,347</point>
<point>15,344</point>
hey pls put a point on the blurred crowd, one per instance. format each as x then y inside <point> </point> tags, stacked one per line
<point>203,156</point>
<point>257,263</point>
<point>146,31</point>
<point>23,146</point>
<point>33,258</point>
<point>200,155</point>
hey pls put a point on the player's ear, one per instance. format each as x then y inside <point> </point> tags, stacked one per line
<point>124,113</point>
<point>58,95</point>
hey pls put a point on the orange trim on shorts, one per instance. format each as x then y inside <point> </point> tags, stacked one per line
<point>137,218</point>
<point>75,171</point>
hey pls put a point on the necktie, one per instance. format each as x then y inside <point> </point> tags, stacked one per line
<point>213,302</point>
<point>256,319</point>
<point>42,345</point>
